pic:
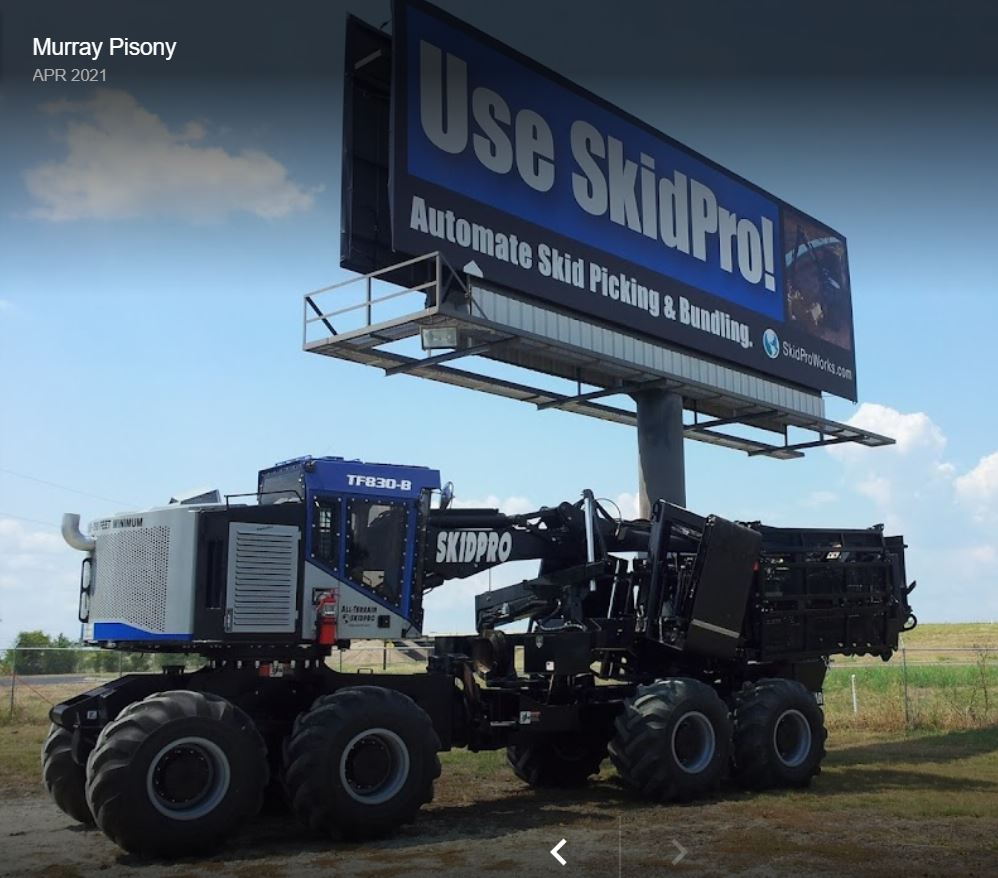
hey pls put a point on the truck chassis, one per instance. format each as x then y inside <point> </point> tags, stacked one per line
<point>699,658</point>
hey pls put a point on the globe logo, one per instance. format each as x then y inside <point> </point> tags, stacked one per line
<point>771,344</point>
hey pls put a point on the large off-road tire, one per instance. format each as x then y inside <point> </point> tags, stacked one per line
<point>672,740</point>
<point>361,762</point>
<point>64,778</point>
<point>779,735</point>
<point>175,773</point>
<point>557,760</point>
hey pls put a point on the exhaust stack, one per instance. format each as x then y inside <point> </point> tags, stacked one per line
<point>72,534</point>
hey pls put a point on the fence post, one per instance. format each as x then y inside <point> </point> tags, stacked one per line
<point>855,701</point>
<point>13,679</point>
<point>904,676</point>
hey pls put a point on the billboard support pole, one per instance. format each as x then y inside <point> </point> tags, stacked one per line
<point>661,459</point>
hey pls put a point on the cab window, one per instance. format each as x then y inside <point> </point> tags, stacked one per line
<point>375,547</point>
<point>326,532</point>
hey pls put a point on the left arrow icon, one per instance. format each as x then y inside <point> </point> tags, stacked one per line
<point>555,854</point>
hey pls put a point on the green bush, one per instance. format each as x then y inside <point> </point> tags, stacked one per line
<point>35,652</point>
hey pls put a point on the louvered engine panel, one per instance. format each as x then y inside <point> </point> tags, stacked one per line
<point>262,578</point>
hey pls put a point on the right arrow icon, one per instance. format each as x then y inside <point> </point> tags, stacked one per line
<point>558,847</point>
<point>682,852</point>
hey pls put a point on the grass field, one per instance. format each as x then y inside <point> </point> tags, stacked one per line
<point>921,774</point>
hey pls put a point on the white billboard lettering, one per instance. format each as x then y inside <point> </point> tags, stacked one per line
<point>727,228</point>
<point>446,81</point>
<point>534,151</point>
<point>717,322</point>
<point>703,215</point>
<point>649,215</point>
<point>589,187</point>
<point>447,129</point>
<point>493,147</point>
<point>673,212</point>
<point>623,176</point>
<point>749,251</point>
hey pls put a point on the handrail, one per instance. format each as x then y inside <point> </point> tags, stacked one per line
<point>312,313</point>
<point>369,302</point>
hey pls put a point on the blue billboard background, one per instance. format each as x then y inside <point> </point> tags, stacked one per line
<point>792,320</point>
<point>557,209</point>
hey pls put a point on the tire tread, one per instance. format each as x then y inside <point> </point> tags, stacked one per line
<point>312,735</point>
<point>636,748</point>
<point>109,769</point>
<point>64,779</point>
<point>754,708</point>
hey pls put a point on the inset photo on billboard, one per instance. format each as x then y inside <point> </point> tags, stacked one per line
<point>816,279</point>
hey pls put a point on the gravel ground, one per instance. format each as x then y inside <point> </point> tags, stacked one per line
<point>501,828</point>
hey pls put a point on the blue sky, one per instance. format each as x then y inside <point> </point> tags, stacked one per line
<point>154,257</point>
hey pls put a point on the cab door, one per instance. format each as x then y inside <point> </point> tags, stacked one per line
<point>367,544</point>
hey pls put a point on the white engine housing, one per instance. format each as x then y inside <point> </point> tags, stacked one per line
<point>143,567</point>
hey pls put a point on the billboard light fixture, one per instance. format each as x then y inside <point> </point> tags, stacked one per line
<point>434,338</point>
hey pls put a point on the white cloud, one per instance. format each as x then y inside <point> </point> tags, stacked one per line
<point>508,505</point>
<point>911,431</point>
<point>16,540</point>
<point>982,555</point>
<point>819,498</point>
<point>878,489</point>
<point>123,161</point>
<point>978,489</point>
<point>628,505</point>
<point>39,582</point>
<point>902,478</point>
<point>450,608</point>
<point>915,492</point>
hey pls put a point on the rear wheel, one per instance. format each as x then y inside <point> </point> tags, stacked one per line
<point>672,740</point>
<point>556,761</point>
<point>64,778</point>
<point>779,735</point>
<point>361,762</point>
<point>175,773</point>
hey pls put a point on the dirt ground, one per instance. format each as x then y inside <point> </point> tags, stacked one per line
<point>925,807</point>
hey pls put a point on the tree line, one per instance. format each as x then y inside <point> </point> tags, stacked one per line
<point>35,652</point>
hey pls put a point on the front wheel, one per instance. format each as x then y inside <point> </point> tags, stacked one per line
<point>361,762</point>
<point>672,741</point>
<point>175,773</point>
<point>64,778</point>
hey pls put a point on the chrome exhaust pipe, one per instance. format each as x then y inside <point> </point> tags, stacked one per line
<point>72,534</point>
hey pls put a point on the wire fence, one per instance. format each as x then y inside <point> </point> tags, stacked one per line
<point>33,679</point>
<point>920,688</point>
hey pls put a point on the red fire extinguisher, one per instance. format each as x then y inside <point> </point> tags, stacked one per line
<point>325,619</point>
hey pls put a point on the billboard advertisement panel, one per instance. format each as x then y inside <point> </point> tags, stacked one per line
<point>517,174</point>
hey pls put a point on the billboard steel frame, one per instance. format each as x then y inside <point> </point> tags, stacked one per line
<point>555,344</point>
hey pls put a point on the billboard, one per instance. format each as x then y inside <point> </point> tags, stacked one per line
<point>522,177</point>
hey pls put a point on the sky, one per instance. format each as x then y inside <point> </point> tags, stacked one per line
<point>157,234</point>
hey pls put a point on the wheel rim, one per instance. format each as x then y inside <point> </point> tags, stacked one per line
<point>792,738</point>
<point>693,742</point>
<point>374,766</point>
<point>188,778</point>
